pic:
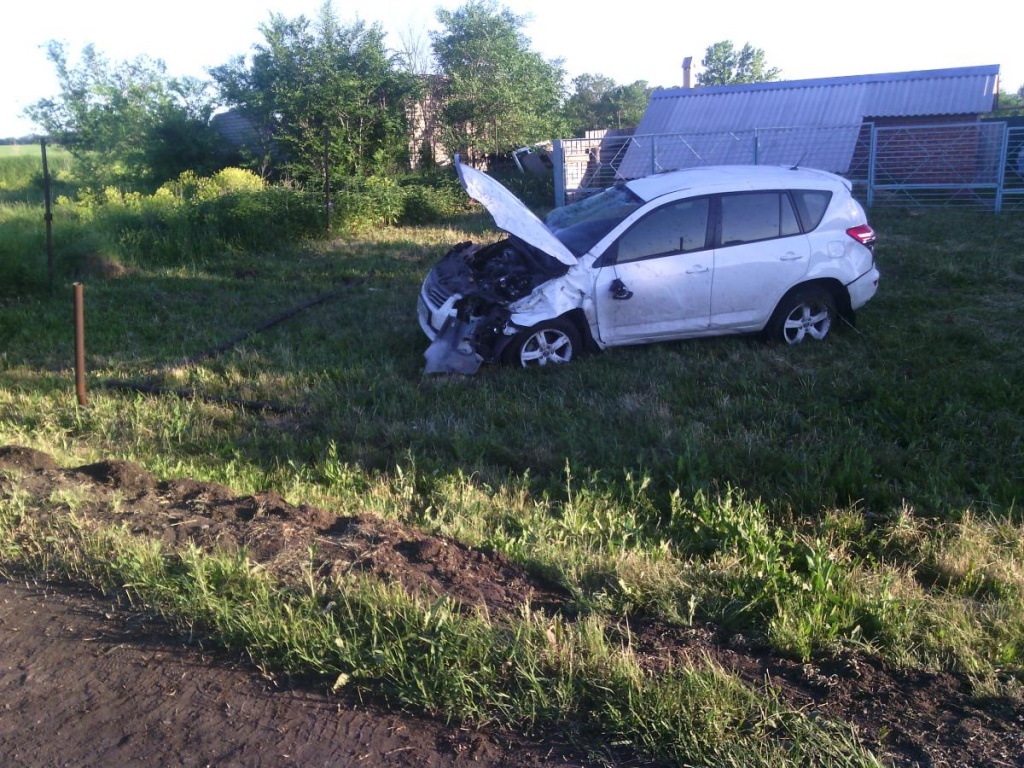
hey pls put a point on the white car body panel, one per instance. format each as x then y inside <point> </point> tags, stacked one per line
<point>747,275</point>
<point>669,297</point>
<point>553,298</point>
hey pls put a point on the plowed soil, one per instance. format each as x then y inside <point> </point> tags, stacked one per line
<point>85,681</point>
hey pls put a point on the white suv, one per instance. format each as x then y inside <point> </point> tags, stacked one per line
<point>697,252</point>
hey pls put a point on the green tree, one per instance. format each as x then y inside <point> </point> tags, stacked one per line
<point>584,109</point>
<point>127,123</point>
<point>724,65</point>
<point>629,102</point>
<point>598,102</point>
<point>499,94</point>
<point>327,92</point>
<point>1010,104</point>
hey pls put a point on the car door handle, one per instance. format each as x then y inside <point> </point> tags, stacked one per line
<point>790,257</point>
<point>696,269</point>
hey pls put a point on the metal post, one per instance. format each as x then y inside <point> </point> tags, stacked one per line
<point>1004,160</point>
<point>872,161</point>
<point>80,344</point>
<point>558,161</point>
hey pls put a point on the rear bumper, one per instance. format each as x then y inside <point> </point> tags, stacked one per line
<point>863,288</point>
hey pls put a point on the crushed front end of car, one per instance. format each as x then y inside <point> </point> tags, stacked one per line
<point>467,301</point>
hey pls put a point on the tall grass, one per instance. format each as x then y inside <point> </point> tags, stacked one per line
<point>535,674</point>
<point>21,172</point>
<point>863,494</point>
<point>190,219</point>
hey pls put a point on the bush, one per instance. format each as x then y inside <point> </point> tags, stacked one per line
<point>538,193</point>
<point>364,203</point>
<point>428,204</point>
<point>23,258</point>
<point>191,187</point>
<point>21,176</point>
<point>195,218</point>
<point>201,217</point>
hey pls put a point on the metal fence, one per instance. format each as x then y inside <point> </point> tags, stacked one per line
<point>975,165</point>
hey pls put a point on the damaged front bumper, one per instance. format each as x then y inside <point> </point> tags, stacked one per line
<point>462,341</point>
<point>451,352</point>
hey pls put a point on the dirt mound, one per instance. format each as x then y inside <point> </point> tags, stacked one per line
<point>18,457</point>
<point>280,536</point>
<point>911,717</point>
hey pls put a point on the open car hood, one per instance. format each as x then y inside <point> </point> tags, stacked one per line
<point>510,214</point>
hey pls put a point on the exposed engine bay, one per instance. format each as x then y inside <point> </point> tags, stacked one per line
<point>499,273</point>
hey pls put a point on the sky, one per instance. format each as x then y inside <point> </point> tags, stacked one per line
<point>639,40</point>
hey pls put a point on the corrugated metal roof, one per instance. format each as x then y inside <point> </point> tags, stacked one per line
<point>836,102</point>
<point>822,102</point>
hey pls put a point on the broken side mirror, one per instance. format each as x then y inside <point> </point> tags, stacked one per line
<point>619,290</point>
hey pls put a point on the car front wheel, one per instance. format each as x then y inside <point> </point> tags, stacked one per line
<point>548,343</point>
<point>803,314</point>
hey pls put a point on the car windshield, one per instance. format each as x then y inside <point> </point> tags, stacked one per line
<point>579,226</point>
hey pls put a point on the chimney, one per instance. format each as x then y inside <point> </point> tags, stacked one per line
<point>686,71</point>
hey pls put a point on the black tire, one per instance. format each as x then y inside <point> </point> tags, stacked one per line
<point>802,313</point>
<point>553,342</point>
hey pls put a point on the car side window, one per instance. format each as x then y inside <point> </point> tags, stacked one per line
<point>811,205</point>
<point>677,227</point>
<point>751,216</point>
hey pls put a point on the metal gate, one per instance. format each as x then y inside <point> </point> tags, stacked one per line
<point>937,165</point>
<point>1013,170</point>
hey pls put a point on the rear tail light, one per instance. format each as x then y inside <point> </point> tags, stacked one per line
<point>863,234</point>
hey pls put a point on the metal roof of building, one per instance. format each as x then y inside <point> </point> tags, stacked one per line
<point>822,102</point>
<point>840,103</point>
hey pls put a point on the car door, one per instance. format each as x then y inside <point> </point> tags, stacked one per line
<point>654,281</point>
<point>760,254</point>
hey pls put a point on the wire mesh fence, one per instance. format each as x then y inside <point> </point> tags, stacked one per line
<point>979,164</point>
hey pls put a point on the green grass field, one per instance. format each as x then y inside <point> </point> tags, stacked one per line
<point>21,150</point>
<point>856,494</point>
<point>21,172</point>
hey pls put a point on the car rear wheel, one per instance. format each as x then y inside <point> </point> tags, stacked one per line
<point>805,313</point>
<point>549,343</point>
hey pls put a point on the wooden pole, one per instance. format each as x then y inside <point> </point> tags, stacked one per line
<point>327,177</point>
<point>48,216</point>
<point>80,344</point>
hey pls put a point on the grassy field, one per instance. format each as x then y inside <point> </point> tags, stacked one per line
<point>859,494</point>
<point>8,151</point>
<point>21,173</point>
